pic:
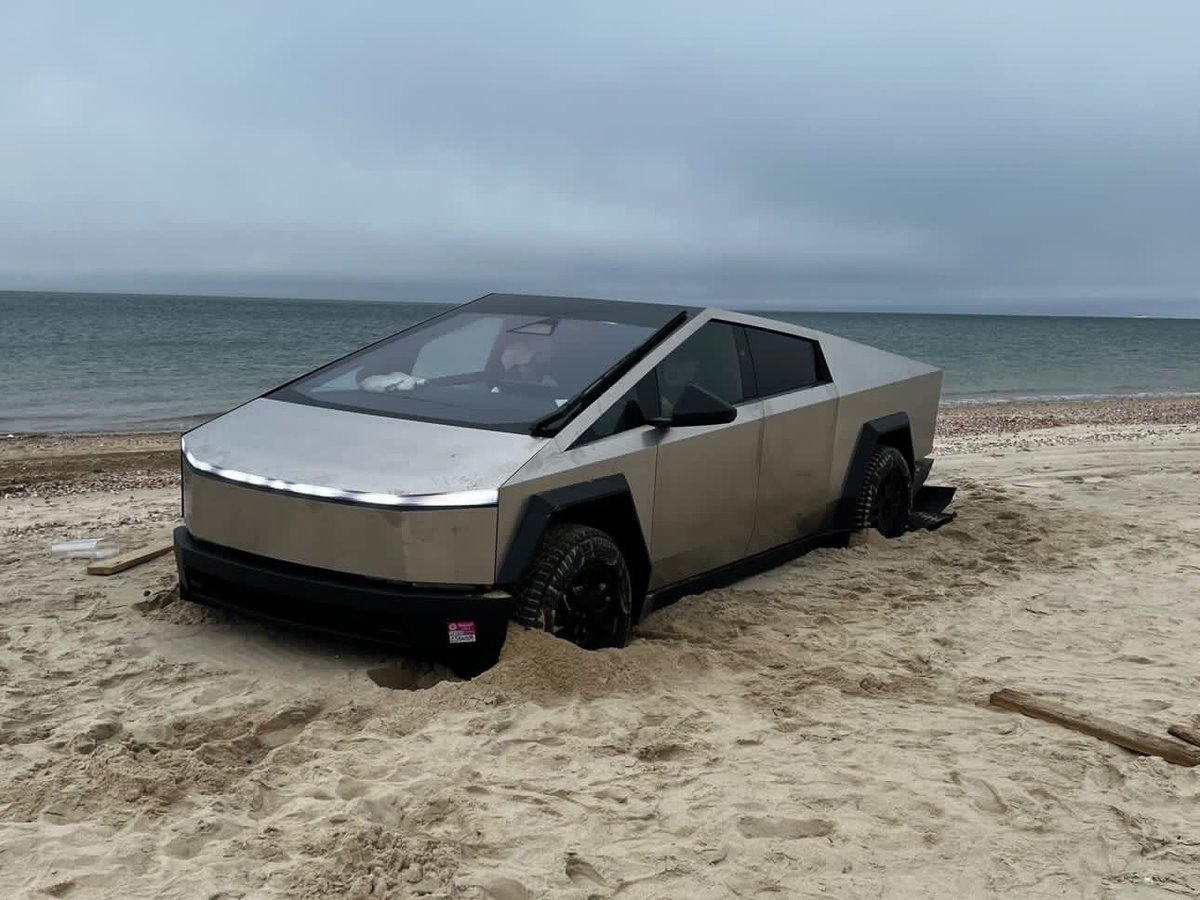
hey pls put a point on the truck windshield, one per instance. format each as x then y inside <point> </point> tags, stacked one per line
<point>496,370</point>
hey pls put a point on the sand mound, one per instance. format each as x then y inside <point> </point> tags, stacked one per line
<point>535,667</point>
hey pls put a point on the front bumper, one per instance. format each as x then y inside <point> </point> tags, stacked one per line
<point>422,618</point>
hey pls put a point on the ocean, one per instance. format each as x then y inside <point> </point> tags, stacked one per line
<point>109,362</point>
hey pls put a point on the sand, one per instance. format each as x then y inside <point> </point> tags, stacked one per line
<point>820,730</point>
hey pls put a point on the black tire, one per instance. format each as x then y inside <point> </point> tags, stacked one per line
<point>578,589</point>
<point>885,502</point>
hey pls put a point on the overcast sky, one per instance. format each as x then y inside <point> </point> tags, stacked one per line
<point>954,155</point>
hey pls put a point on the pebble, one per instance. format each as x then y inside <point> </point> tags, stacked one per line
<point>1026,425</point>
<point>1009,418</point>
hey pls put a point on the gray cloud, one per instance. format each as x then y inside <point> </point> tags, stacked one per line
<point>1021,156</point>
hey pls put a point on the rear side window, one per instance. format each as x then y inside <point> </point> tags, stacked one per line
<point>784,362</point>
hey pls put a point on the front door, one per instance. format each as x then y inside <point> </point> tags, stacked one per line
<point>706,481</point>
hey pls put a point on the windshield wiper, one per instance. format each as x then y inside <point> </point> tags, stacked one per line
<point>554,422</point>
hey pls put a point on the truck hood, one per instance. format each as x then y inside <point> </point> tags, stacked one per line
<point>339,455</point>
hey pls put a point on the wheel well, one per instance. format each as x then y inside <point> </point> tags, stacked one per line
<point>887,431</point>
<point>605,503</point>
<point>616,516</point>
<point>901,439</point>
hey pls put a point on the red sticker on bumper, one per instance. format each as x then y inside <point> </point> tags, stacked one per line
<point>461,632</point>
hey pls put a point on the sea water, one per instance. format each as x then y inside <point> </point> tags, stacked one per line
<point>99,362</point>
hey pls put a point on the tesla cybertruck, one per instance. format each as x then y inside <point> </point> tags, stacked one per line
<point>567,463</point>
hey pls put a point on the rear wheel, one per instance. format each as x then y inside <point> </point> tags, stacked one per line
<point>578,589</point>
<point>885,502</point>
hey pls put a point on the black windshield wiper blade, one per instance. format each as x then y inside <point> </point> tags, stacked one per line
<point>551,423</point>
<point>554,422</point>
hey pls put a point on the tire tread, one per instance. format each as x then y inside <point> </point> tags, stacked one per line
<point>561,549</point>
<point>884,459</point>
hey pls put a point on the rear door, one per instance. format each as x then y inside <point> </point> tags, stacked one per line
<point>799,415</point>
<point>706,482</point>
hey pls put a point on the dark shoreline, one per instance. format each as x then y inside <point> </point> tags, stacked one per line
<point>963,417</point>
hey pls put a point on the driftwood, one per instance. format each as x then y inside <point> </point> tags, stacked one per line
<point>1130,738</point>
<point>115,564</point>
<point>1184,733</point>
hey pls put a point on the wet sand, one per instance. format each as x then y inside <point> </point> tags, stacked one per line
<point>52,465</point>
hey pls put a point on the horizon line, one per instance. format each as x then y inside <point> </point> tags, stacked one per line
<point>751,306</point>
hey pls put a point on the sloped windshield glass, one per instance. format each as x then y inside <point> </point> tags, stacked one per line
<point>499,370</point>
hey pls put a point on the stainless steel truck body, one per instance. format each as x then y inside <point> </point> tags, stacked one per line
<point>412,489</point>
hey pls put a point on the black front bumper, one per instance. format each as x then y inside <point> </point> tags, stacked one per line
<point>420,618</point>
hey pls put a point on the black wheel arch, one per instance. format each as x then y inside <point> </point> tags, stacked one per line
<point>893,430</point>
<point>605,503</point>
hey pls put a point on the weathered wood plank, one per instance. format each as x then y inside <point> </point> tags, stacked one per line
<point>1114,732</point>
<point>1184,733</point>
<point>115,564</point>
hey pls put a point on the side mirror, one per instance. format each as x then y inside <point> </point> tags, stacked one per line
<point>696,406</point>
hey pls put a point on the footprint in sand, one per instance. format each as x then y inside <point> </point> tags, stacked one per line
<point>983,796</point>
<point>583,873</point>
<point>286,724</point>
<point>1153,705</point>
<point>505,889</point>
<point>350,788</point>
<point>787,829</point>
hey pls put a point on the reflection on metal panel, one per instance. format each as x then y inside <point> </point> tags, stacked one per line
<point>416,501</point>
<point>444,546</point>
<point>918,397</point>
<point>630,453</point>
<point>922,410</point>
<point>794,496</point>
<point>334,449</point>
<point>704,496</point>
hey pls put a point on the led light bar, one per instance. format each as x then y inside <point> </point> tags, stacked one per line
<point>368,498</point>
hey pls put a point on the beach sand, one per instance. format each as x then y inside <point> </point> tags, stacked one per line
<point>820,730</point>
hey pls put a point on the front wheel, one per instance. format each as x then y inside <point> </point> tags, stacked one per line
<point>885,502</point>
<point>578,589</point>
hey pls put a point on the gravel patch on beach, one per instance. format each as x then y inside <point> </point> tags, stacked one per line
<point>1008,418</point>
<point>998,427</point>
<point>52,465</point>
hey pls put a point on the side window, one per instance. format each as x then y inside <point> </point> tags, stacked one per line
<point>713,358</point>
<point>710,359</point>
<point>631,411</point>
<point>784,362</point>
